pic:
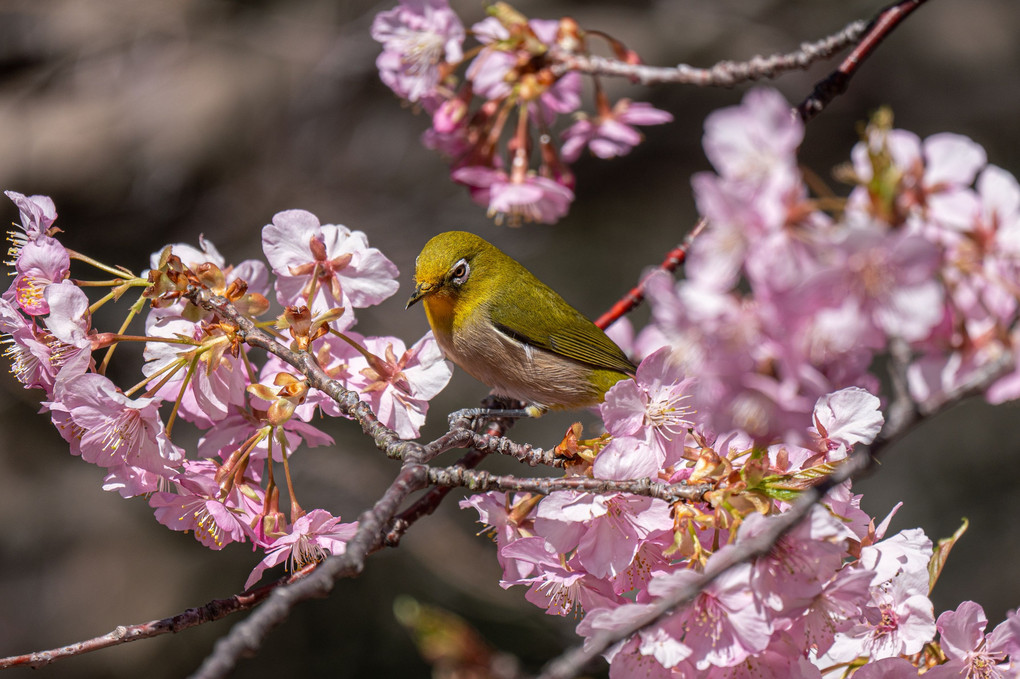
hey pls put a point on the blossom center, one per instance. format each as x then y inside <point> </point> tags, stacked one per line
<point>422,51</point>
<point>667,414</point>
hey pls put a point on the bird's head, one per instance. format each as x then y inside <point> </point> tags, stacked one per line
<point>454,267</point>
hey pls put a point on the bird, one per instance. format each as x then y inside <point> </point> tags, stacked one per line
<point>507,329</point>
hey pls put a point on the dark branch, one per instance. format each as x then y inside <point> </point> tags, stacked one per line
<point>837,81</point>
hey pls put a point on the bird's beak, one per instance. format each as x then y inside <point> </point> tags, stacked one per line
<point>420,291</point>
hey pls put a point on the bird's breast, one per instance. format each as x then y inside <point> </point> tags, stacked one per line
<point>516,369</point>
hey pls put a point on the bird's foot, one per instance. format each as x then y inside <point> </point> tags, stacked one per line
<point>469,418</point>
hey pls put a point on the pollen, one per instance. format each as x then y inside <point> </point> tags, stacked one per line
<point>668,414</point>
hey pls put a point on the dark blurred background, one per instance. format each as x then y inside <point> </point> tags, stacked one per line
<point>155,122</point>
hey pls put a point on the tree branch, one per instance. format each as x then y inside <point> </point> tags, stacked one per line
<point>674,258</point>
<point>837,81</point>
<point>723,74</point>
<point>246,637</point>
<point>214,610</point>
<point>483,481</point>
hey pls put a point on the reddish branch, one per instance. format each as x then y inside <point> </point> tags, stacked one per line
<point>837,81</point>
<point>673,260</point>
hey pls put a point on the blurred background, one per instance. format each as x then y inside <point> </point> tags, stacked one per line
<point>155,122</point>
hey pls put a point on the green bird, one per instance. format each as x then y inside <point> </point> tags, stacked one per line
<point>509,330</point>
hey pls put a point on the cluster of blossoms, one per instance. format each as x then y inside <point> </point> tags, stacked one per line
<point>783,302</point>
<point>783,309</point>
<point>754,378</point>
<point>511,72</point>
<point>198,368</point>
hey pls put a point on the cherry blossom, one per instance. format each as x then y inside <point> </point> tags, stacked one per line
<point>898,619</point>
<point>312,538</point>
<point>37,215</point>
<point>606,530</point>
<point>111,429</point>
<point>648,418</point>
<point>39,263</point>
<point>397,382</point>
<point>529,198</point>
<point>418,36</point>
<point>557,587</point>
<point>198,506</point>
<point>612,133</point>
<point>325,266</point>
<point>970,651</point>
<point>845,418</point>
<point>723,625</point>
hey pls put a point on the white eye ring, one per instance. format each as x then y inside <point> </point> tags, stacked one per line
<point>460,272</point>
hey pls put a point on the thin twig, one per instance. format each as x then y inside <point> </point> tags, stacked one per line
<point>213,610</point>
<point>723,74</point>
<point>836,82</point>
<point>671,263</point>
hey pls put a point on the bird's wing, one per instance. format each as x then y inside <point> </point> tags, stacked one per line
<point>567,333</point>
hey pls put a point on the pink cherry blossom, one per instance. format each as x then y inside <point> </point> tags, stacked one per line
<point>612,134</point>
<point>198,506</point>
<point>606,530</point>
<point>27,349</point>
<point>845,418</point>
<point>747,142</point>
<point>398,383</point>
<point>795,570</point>
<point>417,36</point>
<point>129,481</point>
<point>325,266</point>
<point>39,263</point>
<point>898,619</point>
<point>562,97</point>
<point>40,356</point>
<point>217,381</point>
<point>970,651</point>
<point>558,588</point>
<point>531,198</point>
<point>834,609</point>
<point>37,214</point>
<point>488,71</point>
<point>313,537</point>
<point>648,418</point>
<point>69,323</point>
<point>723,625</point>
<point>651,653</point>
<point>892,273</point>
<point>934,175</point>
<point>112,429</point>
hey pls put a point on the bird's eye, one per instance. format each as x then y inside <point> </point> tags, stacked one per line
<point>460,272</point>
